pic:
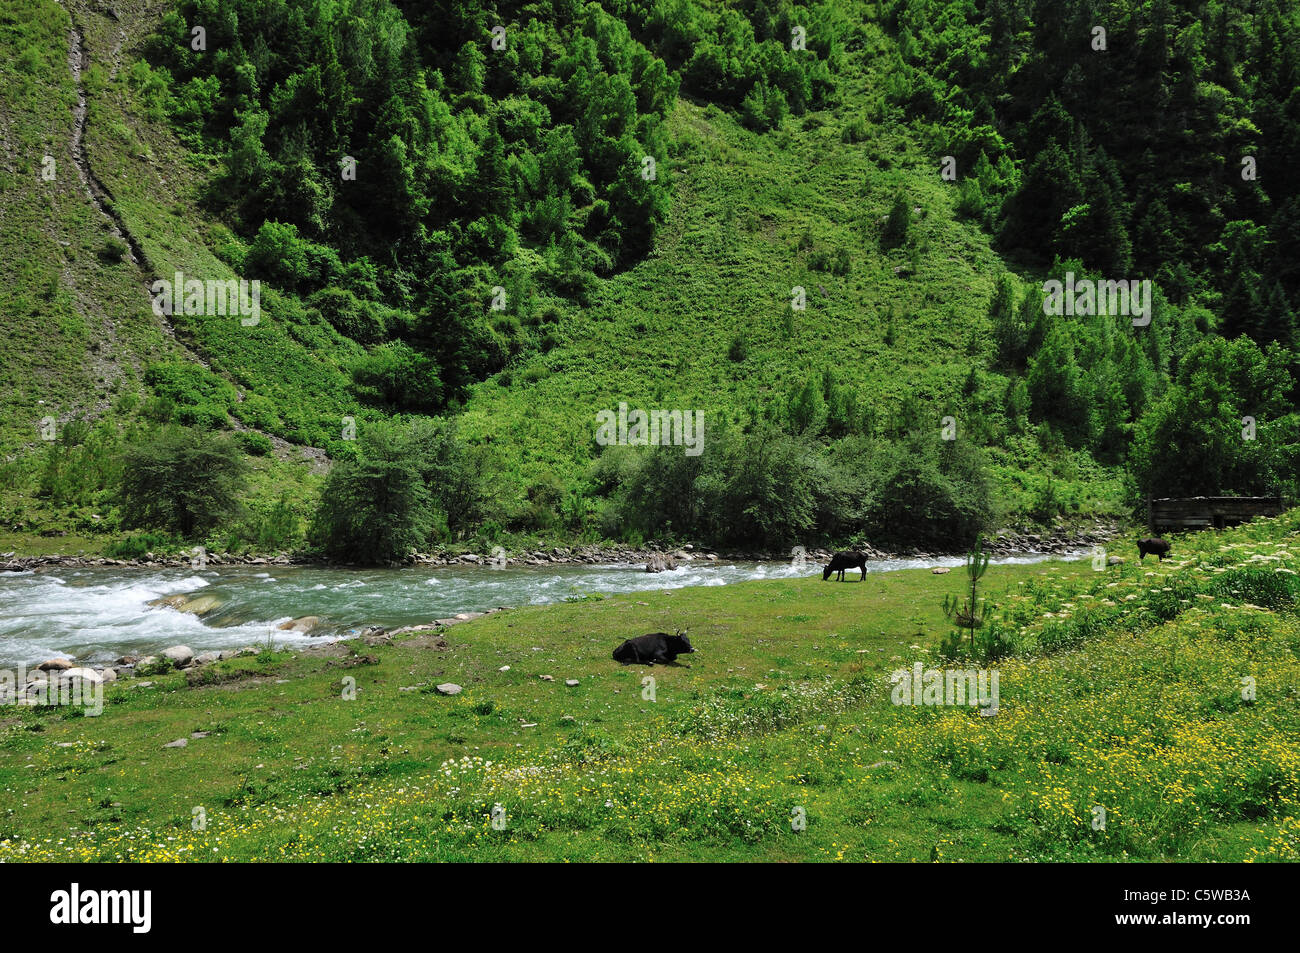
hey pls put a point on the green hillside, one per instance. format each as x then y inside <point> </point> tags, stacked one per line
<point>776,168</point>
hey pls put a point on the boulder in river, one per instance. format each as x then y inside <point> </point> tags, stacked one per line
<point>170,602</point>
<point>659,563</point>
<point>201,605</point>
<point>305,624</point>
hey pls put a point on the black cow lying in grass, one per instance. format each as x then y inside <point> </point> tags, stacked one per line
<point>656,647</point>
<point>843,561</point>
<point>1156,547</point>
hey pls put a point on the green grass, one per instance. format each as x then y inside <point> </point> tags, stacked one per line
<point>786,705</point>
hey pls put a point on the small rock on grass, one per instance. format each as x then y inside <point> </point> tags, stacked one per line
<point>449,688</point>
<point>571,682</point>
<point>181,655</point>
<point>178,743</point>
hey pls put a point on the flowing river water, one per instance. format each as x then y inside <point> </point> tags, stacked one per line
<point>97,614</point>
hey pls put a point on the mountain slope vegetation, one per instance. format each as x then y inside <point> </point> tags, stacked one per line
<point>511,217</point>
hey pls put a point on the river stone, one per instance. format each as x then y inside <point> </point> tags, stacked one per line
<point>181,655</point>
<point>201,605</point>
<point>449,688</point>
<point>204,658</point>
<point>85,674</point>
<point>305,624</point>
<point>108,675</point>
<point>170,602</point>
<point>55,665</point>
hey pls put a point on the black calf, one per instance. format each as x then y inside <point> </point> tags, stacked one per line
<point>1156,547</point>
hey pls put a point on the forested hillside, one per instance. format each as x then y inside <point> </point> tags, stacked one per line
<point>477,226</point>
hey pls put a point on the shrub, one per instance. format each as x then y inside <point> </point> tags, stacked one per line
<point>136,545</point>
<point>1260,587</point>
<point>898,225</point>
<point>399,378</point>
<point>189,385</point>
<point>114,250</point>
<point>278,254</point>
<point>202,416</point>
<point>253,443</point>
<point>362,321</point>
<point>181,480</point>
<point>928,497</point>
<point>855,130</point>
<point>376,509</point>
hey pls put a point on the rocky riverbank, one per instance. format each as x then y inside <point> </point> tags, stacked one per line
<point>58,677</point>
<point>1007,542</point>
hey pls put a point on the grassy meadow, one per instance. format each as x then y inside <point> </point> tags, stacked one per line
<point>1124,691</point>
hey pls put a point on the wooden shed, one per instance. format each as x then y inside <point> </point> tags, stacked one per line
<point>1202,512</point>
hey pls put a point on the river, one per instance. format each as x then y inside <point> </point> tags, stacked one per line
<point>97,614</point>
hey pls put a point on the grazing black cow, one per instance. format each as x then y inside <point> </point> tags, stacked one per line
<point>656,647</point>
<point>1157,547</point>
<point>843,561</point>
